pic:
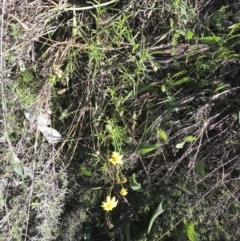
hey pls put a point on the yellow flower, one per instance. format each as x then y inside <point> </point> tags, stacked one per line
<point>116,158</point>
<point>123,192</point>
<point>109,204</point>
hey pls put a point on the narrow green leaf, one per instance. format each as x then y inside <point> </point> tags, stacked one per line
<point>135,185</point>
<point>210,39</point>
<point>178,74</point>
<point>222,86</point>
<point>189,138</point>
<point>155,215</point>
<point>181,81</point>
<point>190,232</point>
<point>162,134</point>
<point>144,149</point>
<point>180,145</point>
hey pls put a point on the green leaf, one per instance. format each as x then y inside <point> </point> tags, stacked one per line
<point>162,134</point>
<point>155,215</point>
<point>135,185</point>
<point>210,39</point>
<point>144,149</point>
<point>181,81</point>
<point>85,172</point>
<point>189,138</point>
<point>189,35</point>
<point>190,232</point>
<point>222,86</point>
<point>180,145</point>
<point>178,74</point>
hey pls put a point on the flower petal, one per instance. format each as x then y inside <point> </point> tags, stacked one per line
<point>109,204</point>
<point>123,192</point>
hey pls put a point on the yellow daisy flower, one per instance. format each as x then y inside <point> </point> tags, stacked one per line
<point>116,158</point>
<point>123,192</point>
<point>109,204</point>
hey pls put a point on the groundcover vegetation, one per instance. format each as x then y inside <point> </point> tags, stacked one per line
<point>120,120</point>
